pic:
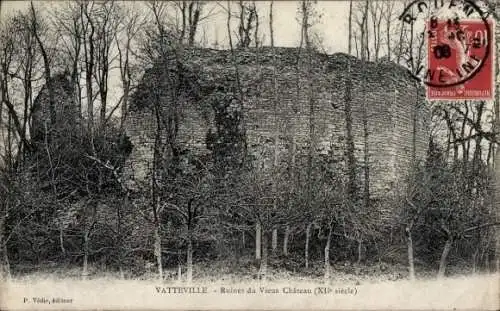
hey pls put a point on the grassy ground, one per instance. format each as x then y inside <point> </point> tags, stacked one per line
<point>352,287</point>
<point>244,269</point>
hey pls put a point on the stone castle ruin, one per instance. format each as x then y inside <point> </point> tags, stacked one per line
<point>65,110</point>
<point>394,101</point>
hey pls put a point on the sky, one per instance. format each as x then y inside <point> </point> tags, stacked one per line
<point>332,26</point>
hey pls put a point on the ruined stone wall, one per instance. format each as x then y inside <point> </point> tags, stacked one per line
<point>388,92</point>
<point>66,111</point>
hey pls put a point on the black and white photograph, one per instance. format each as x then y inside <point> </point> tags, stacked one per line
<point>189,154</point>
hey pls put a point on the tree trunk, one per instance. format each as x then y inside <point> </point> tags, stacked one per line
<point>327,253</point>
<point>4,258</point>
<point>360,250</point>
<point>157,251</point>
<point>179,266</point>
<point>351,159</point>
<point>155,200</point>
<point>274,241</point>
<point>85,271</point>
<point>120,243</point>
<point>349,38</point>
<point>366,158</point>
<point>388,31</point>
<point>263,262</point>
<point>409,244</point>
<point>124,107</point>
<point>258,240</point>
<point>89,58</point>
<point>285,240</point>
<point>86,242</point>
<point>308,236</point>
<point>189,263</point>
<point>4,264</point>
<point>474,260</point>
<point>497,253</point>
<point>364,33</point>
<point>61,239</point>
<point>444,256</point>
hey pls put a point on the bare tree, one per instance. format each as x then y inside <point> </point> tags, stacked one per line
<point>6,54</point>
<point>89,52</point>
<point>387,14</point>
<point>125,42</point>
<point>305,14</point>
<point>274,241</point>
<point>308,17</point>
<point>191,13</point>
<point>36,29</point>
<point>366,56</point>
<point>373,29</point>
<point>182,19</point>
<point>196,186</point>
<point>5,207</point>
<point>412,215</point>
<point>248,24</point>
<point>157,47</point>
<point>155,202</point>
<point>367,10</point>
<point>349,37</point>
<point>106,19</point>
<point>260,232</point>
<point>363,29</point>
<point>19,65</point>
<point>18,76</point>
<point>67,23</point>
<point>239,89</point>
<point>376,10</point>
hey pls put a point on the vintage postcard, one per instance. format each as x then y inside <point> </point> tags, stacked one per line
<point>312,155</point>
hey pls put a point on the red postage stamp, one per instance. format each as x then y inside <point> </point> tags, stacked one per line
<point>460,59</point>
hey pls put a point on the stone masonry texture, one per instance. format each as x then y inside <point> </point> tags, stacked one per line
<point>64,106</point>
<point>396,110</point>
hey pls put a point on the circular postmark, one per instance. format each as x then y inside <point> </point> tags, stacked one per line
<point>445,43</point>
